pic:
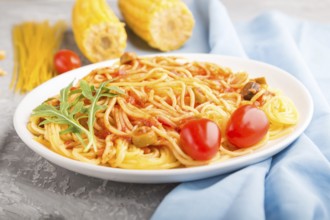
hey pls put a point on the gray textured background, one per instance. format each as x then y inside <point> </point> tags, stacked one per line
<point>31,187</point>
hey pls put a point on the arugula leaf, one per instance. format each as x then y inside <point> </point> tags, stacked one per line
<point>53,115</point>
<point>69,113</point>
<point>86,90</point>
<point>93,95</point>
<point>114,88</point>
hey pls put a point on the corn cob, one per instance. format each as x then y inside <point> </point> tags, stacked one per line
<point>98,32</point>
<point>163,24</point>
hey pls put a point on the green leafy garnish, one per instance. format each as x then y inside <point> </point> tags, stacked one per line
<point>69,113</point>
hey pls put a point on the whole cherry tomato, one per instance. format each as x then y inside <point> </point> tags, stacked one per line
<point>65,60</point>
<point>200,138</point>
<point>247,126</point>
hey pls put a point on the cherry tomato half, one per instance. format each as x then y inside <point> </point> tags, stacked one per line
<point>247,126</point>
<point>200,138</point>
<point>65,60</point>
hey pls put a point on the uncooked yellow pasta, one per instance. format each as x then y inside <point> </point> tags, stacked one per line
<point>34,46</point>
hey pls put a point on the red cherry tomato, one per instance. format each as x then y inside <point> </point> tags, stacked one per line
<point>65,60</point>
<point>247,126</point>
<point>200,138</point>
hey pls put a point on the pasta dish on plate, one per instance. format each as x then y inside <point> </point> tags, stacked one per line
<point>162,112</point>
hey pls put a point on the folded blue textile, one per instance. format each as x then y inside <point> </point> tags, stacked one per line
<point>294,184</point>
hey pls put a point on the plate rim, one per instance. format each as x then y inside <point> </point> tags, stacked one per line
<point>214,168</point>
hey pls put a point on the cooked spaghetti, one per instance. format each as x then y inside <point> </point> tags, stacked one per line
<point>129,115</point>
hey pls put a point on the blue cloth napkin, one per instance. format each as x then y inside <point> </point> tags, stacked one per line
<point>294,184</point>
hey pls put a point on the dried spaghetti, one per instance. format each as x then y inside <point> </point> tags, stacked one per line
<point>2,56</point>
<point>34,46</point>
<point>139,128</point>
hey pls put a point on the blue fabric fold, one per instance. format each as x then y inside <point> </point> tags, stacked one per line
<point>294,184</point>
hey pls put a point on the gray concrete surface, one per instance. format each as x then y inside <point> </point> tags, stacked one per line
<point>33,188</point>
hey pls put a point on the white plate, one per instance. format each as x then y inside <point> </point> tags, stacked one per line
<point>276,78</point>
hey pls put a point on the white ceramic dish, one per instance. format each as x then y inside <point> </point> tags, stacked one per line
<point>276,78</point>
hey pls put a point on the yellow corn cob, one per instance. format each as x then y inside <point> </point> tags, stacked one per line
<point>97,31</point>
<point>164,24</point>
